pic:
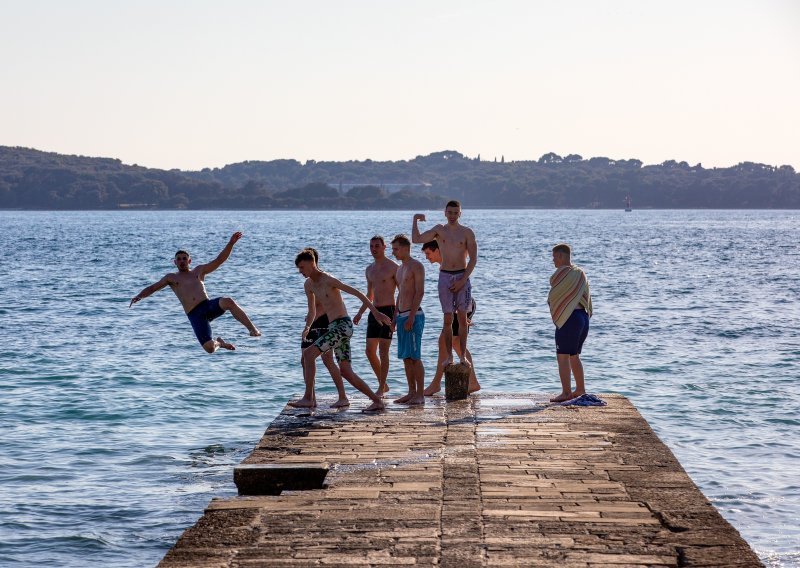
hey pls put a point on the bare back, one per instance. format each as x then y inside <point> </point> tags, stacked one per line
<point>411,281</point>
<point>455,242</point>
<point>189,287</point>
<point>382,280</point>
<point>327,294</point>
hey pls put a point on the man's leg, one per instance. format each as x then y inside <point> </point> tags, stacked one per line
<point>447,332</point>
<point>336,375</point>
<point>577,371</point>
<point>418,371</point>
<point>408,365</point>
<point>383,348</point>
<point>230,305</point>
<point>563,374</point>
<point>463,332</point>
<point>436,383</point>
<point>309,399</point>
<point>363,388</point>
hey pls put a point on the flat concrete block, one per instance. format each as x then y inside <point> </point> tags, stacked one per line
<point>272,478</point>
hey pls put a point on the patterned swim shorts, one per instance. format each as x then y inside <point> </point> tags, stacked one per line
<point>337,338</point>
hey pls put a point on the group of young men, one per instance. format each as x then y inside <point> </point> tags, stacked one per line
<point>394,297</point>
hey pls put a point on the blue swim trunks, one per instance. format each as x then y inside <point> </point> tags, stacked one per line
<point>409,343</point>
<point>201,317</point>
<point>571,335</point>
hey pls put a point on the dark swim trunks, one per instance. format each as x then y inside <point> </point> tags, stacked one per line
<point>469,317</point>
<point>201,317</point>
<point>318,327</point>
<point>376,330</point>
<point>571,335</point>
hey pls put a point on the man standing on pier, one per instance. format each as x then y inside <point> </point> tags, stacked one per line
<point>323,286</point>
<point>431,251</point>
<point>190,288</point>
<point>456,243</point>
<point>410,319</point>
<point>381,285</point>
<point>570,307</point>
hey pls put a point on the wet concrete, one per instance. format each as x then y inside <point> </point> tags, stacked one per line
<point>493,480</point>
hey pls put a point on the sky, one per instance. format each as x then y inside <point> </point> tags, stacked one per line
<point>194,84</point>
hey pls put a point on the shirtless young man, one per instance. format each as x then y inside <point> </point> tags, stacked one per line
<point>410,319</point>
<point>318,327</point>
<point>189,285</point>
<point>329,290</point>
<point>456,243</point>
<point>381,285</point>
<point>431,250</point>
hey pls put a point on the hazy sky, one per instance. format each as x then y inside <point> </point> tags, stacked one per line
<point>193,84</point>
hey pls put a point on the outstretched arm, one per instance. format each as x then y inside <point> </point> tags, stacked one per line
<point>152,289</point>
<point>223,256</point>
<point>421,238</point>
<point>381,317</point>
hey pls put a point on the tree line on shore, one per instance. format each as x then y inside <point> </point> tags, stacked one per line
<point>32,179</point>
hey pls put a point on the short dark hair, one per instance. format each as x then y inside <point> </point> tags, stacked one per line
<point>402,240</point>
<point>453,203</point>
<point>432,245</point>
<point>314,252</point>
<point>182,252</point>
<point>305,254</point>
<point>563,248</point>
<point>378,238</point>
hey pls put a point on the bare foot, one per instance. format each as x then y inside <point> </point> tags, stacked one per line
<point>562,397</point>
<point>576,394</point>
<point>416,401</point>
<point>403,399</point>
<point>466,363</point>
<point>224,344</point>
<point>375,407</point>
<point>303,403</point>
<point>474,388</point>
<point>255,332</point>
<point>433,389</point>
<point>382,390</point>
<point>341,403</point>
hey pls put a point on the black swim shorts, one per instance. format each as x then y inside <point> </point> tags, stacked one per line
<point>469,317</point>
<point>201,317</point>
<point>376,330</point>
<point>318,327</point>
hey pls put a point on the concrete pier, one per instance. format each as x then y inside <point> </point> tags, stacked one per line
<point>494,480</point>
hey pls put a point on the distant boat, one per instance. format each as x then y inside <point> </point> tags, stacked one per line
<point>628,203</point>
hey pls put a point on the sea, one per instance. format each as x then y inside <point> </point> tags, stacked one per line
<point>118,429</point>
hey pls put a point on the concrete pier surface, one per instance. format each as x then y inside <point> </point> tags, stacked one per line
<point>494,480</point>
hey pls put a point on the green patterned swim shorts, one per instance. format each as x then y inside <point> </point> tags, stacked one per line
<point>337,338</point>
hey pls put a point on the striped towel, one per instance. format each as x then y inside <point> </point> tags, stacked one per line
<point>569,288</point>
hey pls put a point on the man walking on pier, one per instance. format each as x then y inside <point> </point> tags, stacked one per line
<point>323,286</point>
<point>456,243</point>
<point>190,288</point>
<point>410,319</point>
<point>570,307</point>
<point>381,285</point>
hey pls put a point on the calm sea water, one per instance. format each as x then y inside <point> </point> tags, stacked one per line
<point>117,429</point>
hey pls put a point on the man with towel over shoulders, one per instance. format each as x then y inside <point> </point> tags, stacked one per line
<point>570,307</point>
